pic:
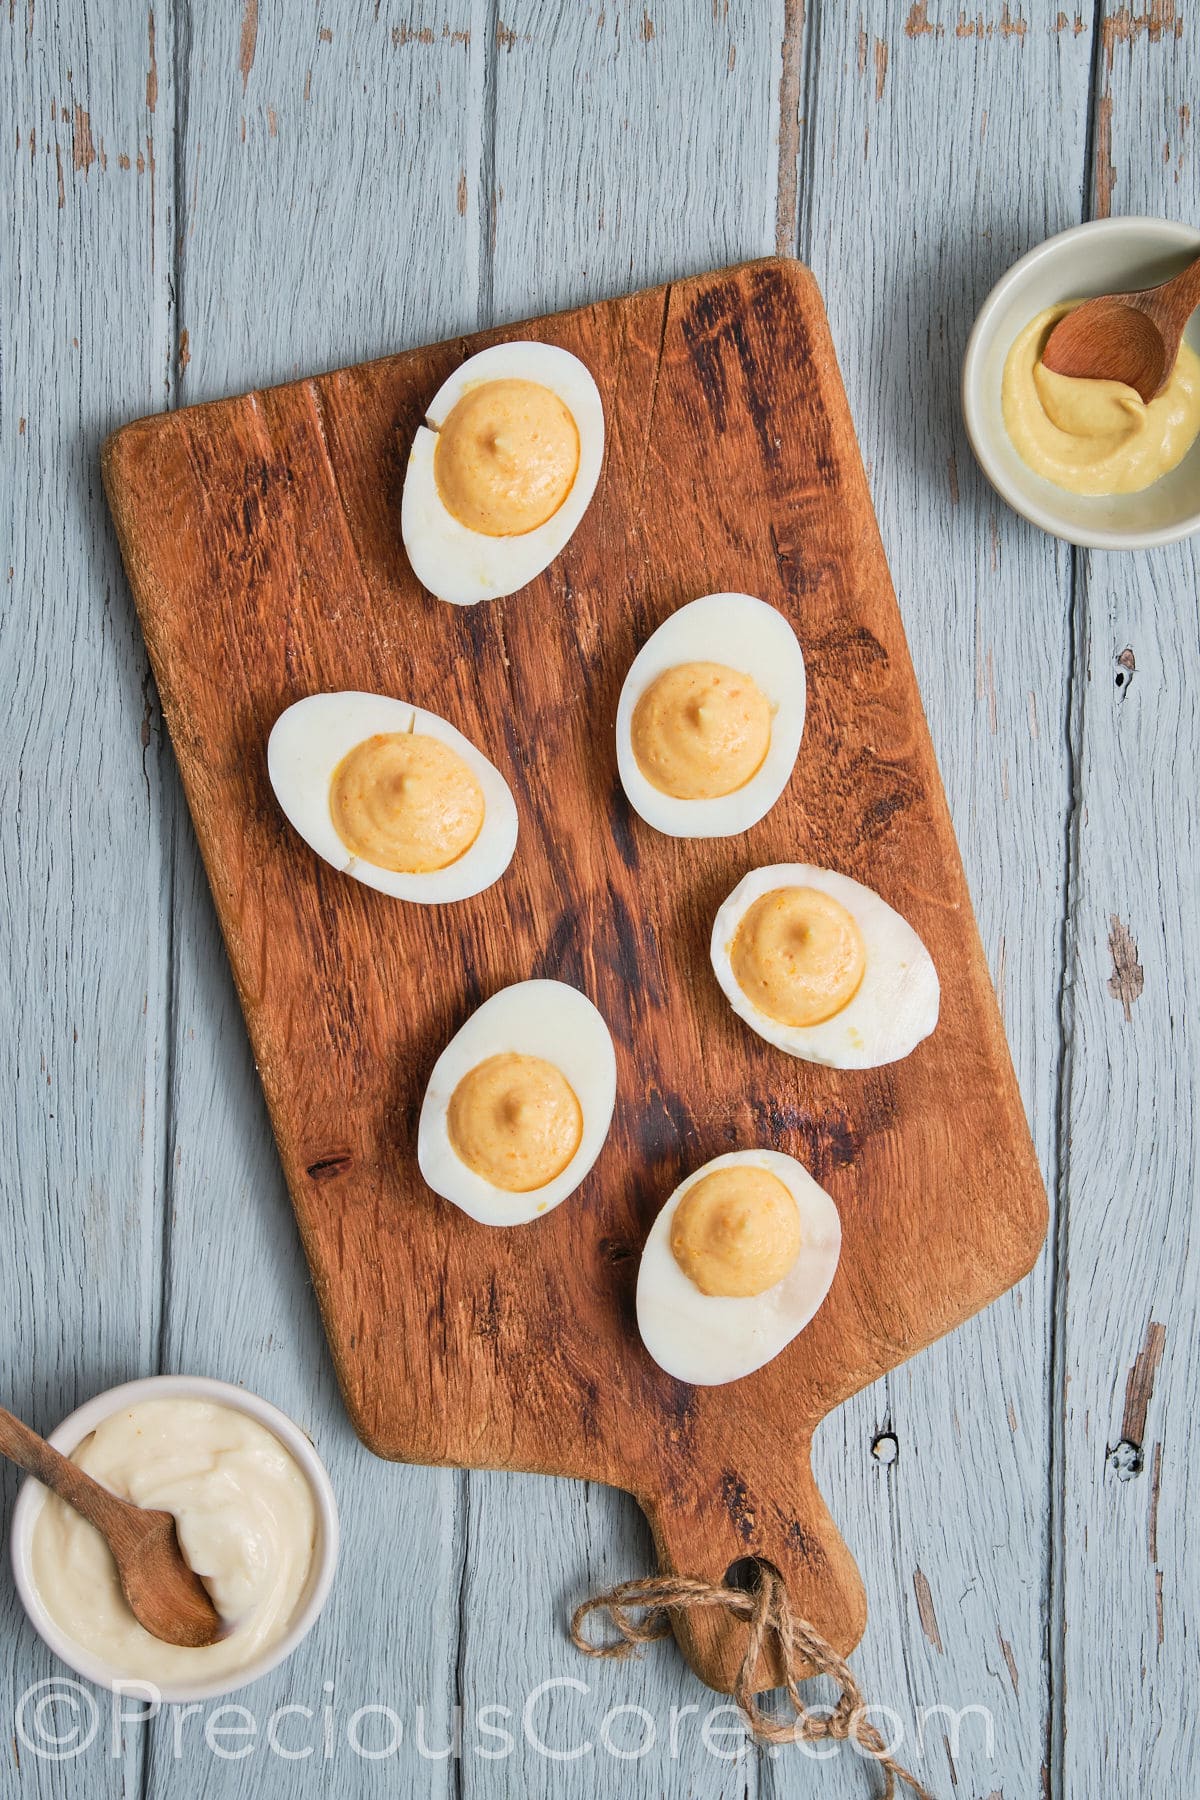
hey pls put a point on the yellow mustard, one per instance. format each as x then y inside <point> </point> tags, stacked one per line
<point>1095,437</point>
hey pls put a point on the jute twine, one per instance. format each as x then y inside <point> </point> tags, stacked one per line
<point>640,1613</point>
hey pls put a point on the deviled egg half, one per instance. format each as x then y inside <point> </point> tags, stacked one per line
<point>711,716</point>
<point>502,471</point>
<point>519,1104</point>
<point>823,968</point>
<point>392,795</point>
<point>736,1264</point>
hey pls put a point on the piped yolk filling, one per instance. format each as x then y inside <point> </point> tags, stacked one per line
<point>506,457</point>
<point>736,1232</point>
<point>701,730</point>
<point>799,956</point>
<point>515,1121</point>
<point>406,802</point>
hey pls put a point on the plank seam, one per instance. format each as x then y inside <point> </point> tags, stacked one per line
<point>177,17</point>
<point>1088,194</point>
<point>1059,1274</point>
<point>488,199</point>
<point>792,59</point>
<point>1056,1723</point>
<point>485,311</point>
<point>181,35</point>
<point>808,86</point>
<point>462,1534</point>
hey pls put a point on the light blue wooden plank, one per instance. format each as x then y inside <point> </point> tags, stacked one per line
<point>925,173</point>
<point>631,145</point>
<point>329,175</point>
<point>1128,1559</point>
<point>1131,1306</point>
<point>329,215</point>
<point>84,240</point>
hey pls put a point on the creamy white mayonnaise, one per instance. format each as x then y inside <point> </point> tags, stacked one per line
<point>247,1522</point>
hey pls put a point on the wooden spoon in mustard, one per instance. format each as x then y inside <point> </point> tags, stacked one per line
<point>1133,338</point>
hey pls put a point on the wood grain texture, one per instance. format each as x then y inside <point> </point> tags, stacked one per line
<point>330,185</point>
<point>83,938</point>
<point>1130,1310</point>
<point>334,221</point>
<point>959,1506</point>
<point>260,540</point>
<point>653,155</point>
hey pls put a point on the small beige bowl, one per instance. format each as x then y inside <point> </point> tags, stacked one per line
<point>1104,257</point>
<point>71,1433</point>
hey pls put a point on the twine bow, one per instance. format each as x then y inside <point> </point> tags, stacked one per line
<point>640,1613</point>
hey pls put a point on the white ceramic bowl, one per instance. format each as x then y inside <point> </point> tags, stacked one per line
<point>1104,257</point>
<point>71,1433</point>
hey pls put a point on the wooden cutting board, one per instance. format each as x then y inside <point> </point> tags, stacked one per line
<point>262,540</point>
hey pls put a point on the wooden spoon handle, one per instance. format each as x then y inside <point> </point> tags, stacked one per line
<point>1176,300</point>
<point>57,1472</point>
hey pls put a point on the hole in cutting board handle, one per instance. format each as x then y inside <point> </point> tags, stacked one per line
<point>743,1573</point>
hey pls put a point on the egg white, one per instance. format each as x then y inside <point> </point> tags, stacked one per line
<point>532,1018</point>
<point>744,634</point>
<point>895,1007</point>
<point>708,1339</point>
<point>307,743</point>
<point>450,559</point>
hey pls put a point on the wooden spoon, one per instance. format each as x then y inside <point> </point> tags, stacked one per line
<point>1132,338</point>
<point>164,1594</point>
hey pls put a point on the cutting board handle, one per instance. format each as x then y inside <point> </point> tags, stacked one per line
<point>724,1524</point>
